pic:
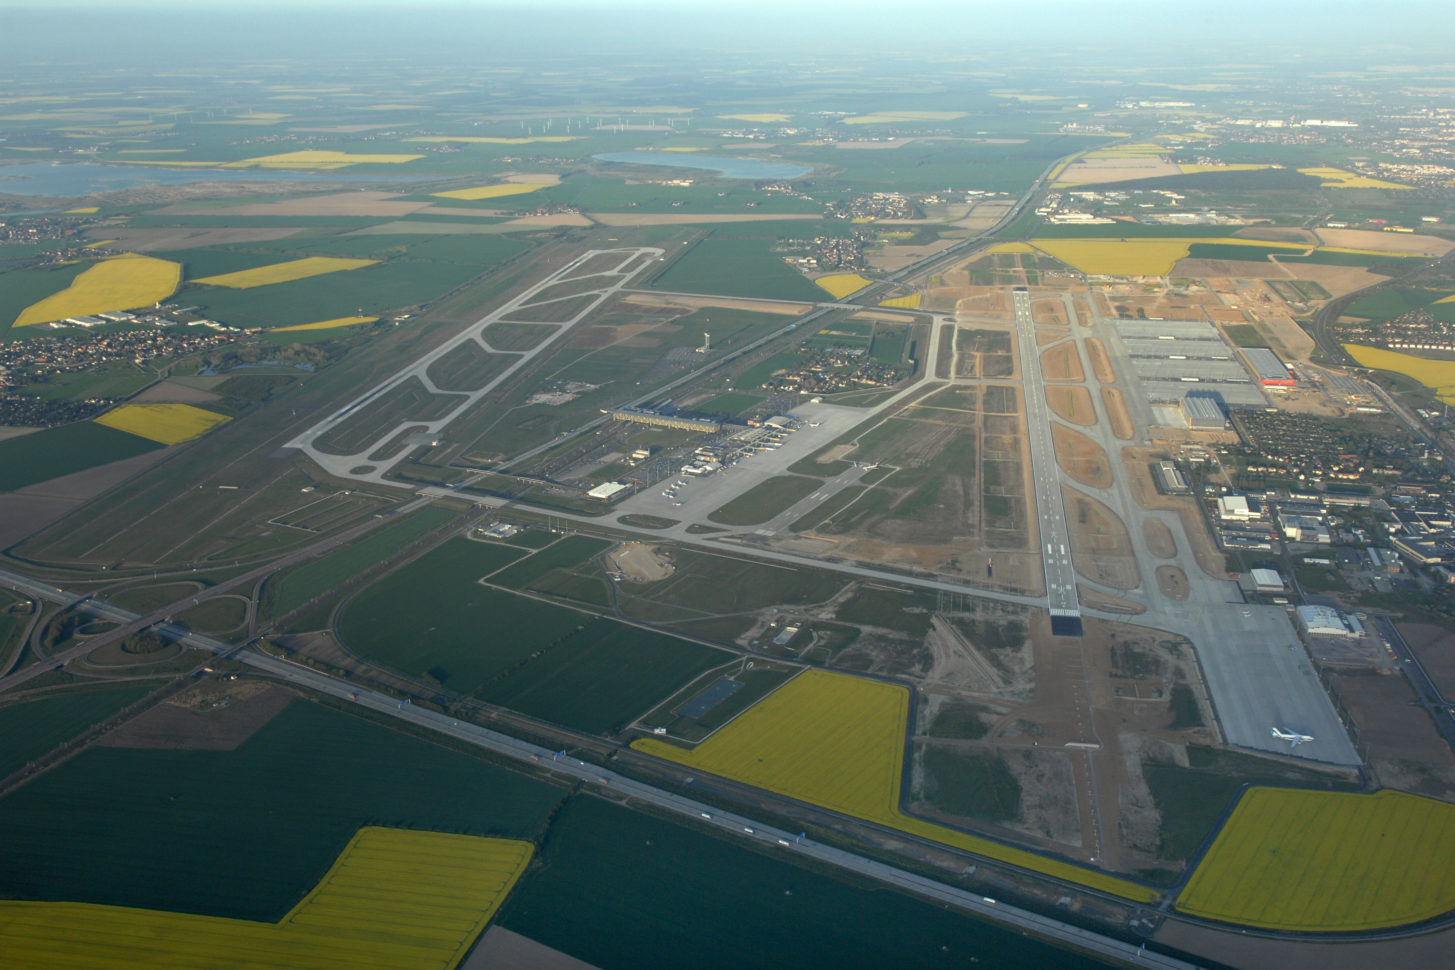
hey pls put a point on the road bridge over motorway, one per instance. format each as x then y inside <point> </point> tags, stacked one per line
<point>613,783</point>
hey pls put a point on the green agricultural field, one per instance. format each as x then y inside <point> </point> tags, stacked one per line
<point>1191,800</point>
<point>569,551</point>
<point>907,612</point>
<point>730,404</point>
<point>371,290</point>
<point>601,676</point>
<point>736,266</point>
<point>53,452</point>
<point>33,727</point>
<point>20,288</point>
<point>291,589</point>
<point>754,376</point>
<point>116,380</point>
<point>406,401</point>
<point>432,619</point>
<point>622,890</point>
<point>970,785</point>
<point>704,583</point>
<point>14,619</point>
<point>292,795</point>
<point>1389,303</point>
<point>1245,335</point>
<point>765,500</point>
<point>468,367</point>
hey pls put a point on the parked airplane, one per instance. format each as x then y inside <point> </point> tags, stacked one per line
<point>1293,737</point>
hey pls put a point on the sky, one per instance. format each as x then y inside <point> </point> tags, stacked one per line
<point>33,30</point>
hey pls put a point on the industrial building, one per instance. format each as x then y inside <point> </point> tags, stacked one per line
<point>1267,580</point>
<point>1325,621</point>
<point>665,420</point>
<point>1203,411</point>
<point>1267,367</point>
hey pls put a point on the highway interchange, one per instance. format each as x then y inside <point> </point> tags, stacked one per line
<point>617,785</point>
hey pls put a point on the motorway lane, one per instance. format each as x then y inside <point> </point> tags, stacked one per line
<point>1050,506</point>
<point>562,763</point>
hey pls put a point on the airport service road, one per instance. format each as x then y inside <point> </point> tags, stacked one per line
<point>609,781</point>
<point>359,467</point>
<point>1257,671</point>
<point>1050,507</point>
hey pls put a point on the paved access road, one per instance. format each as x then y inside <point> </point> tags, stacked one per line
<point>562,763</point>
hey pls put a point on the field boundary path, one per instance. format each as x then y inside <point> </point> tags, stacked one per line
<point>609,782</point>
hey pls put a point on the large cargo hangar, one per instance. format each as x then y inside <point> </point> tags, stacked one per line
<point>1168,358</point>
<point>1267,368</point>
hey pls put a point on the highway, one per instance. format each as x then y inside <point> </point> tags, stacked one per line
<point>608,781</point>
<point>1045,473</point>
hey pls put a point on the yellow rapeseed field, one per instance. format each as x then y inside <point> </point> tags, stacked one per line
<point>295,269</point>
<point>119,283</point>
<point>838,741</point>
<point>766,118</point>
<point>1115,257</point>
<point>1292,859</point>
<point>1012,247</point>
<point>841,285</point>
<point>395,898</point>
<point>481,140</point>
<point>84,210</point>
<point>313,158</point>
<point>898,117</point>
<point>1190,169</point>
<point>169,424</point>
<point>492,191</point>
<point>326,324</point>
<point>910,302</point>
<point>1338,178</point>
<point>1437,375</point>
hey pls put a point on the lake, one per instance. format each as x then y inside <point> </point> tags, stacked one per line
<point>728,168</point>
<point>78,179</point>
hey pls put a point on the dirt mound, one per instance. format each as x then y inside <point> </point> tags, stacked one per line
<point>213,716</point>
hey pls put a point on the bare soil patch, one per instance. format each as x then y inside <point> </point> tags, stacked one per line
<point>1386,242</point>
<point>550,221</point>
<point>1101,549</point>
<point>640,563</point>
<point>1159,539</point>
<point>1210,269</point>
<point>366,203</point>
<point>1226,315</point>
<point>1098,600</point>
<point>1081,457</point>
<point>12,431</point>
<point>151,240</point>
<point>213,716</point>
<point>1404,749</point>
<point>1044,338</point>
<point>1062,363</point>
<point>1100,362</point>
<point>500,947</point>
<point>686,218</point>
<point>1276,234</point>
<point>1092,171</point>
<point>984,301</point>
<point>1286,337</point>
<point>696,302</point>
<point>1172,582</point>
<point>1049,313</point>
<point>1116,412</point>
<point>169,392</point>
<point>1434,647</point>
<point>891,258</point>
<point>1072,404</point>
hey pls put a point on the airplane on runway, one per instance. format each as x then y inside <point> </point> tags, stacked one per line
<point>1293,737</point>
